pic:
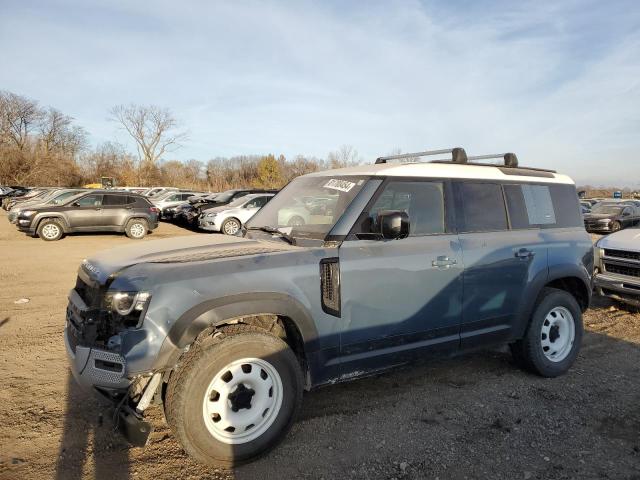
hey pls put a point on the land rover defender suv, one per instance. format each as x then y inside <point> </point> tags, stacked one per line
<point>405,260</point>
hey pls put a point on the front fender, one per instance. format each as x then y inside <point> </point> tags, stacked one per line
<point>220,310</point>
<point>41,216</point>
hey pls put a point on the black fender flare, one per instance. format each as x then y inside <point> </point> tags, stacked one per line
<point>221,310</point>
<point>556,272</point>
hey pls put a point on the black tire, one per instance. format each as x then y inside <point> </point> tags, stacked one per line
<point>528,352</point>
<point>47,230</point>
<point>136,228</point>
<point>296,221</point>
<point>190,382</point>
<point>229,223</point>
<point>616,226</point>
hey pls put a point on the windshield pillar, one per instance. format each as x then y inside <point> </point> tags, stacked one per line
<point>342,228</point>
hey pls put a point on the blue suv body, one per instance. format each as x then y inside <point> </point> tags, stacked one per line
<point>343,274</point>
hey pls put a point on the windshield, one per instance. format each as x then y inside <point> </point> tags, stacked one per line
<point>607,209</point>
<point>310,206</point>
<point>61,197</point>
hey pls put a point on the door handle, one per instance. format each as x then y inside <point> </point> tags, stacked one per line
<point>443,262</point>
<point>524,254</point>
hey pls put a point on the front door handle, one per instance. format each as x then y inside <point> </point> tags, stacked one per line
<point>443,262</point>
<point>524,254</point>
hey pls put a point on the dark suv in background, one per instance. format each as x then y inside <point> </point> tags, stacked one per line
<point>96,211</point>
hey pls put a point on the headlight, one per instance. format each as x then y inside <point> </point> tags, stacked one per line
<point>605,220</point>
<point>211,215</point>
<point>26,213</point>
<point>127,303</point>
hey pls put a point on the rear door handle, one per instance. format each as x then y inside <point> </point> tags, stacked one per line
<point>443,262</point>
<point>524,254</point>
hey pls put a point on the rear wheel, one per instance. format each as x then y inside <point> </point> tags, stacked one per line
<point>234,396</point>
<point>50,230</point>
<point>137,228</point>
<point>230,226</point>
<point>553,339</point>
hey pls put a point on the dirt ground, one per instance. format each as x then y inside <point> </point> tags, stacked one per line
<point>475,416</point>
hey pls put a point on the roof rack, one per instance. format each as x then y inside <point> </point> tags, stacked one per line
<point>458,155</point>
<point>510,159</point>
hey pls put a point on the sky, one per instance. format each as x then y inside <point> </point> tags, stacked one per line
<point>556,82</point>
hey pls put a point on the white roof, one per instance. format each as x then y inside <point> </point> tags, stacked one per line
<point>443,170</point>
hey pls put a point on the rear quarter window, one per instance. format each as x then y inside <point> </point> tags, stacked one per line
<point>542,206</point>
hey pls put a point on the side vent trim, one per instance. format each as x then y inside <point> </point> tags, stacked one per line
<point>330,285</point>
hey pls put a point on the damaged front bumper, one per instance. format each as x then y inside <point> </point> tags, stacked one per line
<point>105,372</point>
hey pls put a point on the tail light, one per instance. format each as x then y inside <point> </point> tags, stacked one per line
<point>154,210</point>
<point>330,285</point>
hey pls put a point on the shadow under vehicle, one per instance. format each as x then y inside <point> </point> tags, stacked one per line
<point>412,260</point>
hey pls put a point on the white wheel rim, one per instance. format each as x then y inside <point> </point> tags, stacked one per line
<point>50,231</point>
<point>137,230</point>
<point>558,334</point>
<point>231,227</point>
<point>231,390</point>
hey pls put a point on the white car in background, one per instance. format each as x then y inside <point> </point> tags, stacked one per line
<point>229,218</point>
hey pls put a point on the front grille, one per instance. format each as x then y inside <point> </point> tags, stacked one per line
<point>622,269</point>
<point>89,295</point>
<point>621,254</point>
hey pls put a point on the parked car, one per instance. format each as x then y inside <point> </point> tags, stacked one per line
<point>611,217</point>
<point>33,193</point>
<point>157,190</point>
<point>170,199</point>
<point>189,214</point>
<point>94,211</point>
<point>54,197</point>
<point>414,259</point>
<point>617,266</point>
<point>230,218</point>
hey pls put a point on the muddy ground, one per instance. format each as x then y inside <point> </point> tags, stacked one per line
<point>476,416</point>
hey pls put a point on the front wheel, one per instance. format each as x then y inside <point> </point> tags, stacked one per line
<point>50,230</point>
<point>234,396</point>
<point>553,339</point>
<point>616,226</point>
<point>230,226</point>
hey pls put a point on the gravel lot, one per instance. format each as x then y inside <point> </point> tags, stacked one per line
<point>475,416</point>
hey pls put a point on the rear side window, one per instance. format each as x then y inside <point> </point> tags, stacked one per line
<point>114,200</point>
<point>138,201</point>
<point>540,206</point>
<point>483,207</point>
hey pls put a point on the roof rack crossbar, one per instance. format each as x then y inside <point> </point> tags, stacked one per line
<point>510,159</point>
<point>458,155</point>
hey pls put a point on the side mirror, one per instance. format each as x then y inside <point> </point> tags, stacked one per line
<point>75,204</point>
<point>393,224</point>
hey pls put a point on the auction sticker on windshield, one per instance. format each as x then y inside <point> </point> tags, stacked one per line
<point>341,185</point>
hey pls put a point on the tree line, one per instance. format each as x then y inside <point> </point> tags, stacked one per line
<point>41,146</point>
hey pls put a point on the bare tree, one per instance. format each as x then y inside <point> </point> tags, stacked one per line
<point>18,115</point>
<point>345,156</point>
<point>154,129</point>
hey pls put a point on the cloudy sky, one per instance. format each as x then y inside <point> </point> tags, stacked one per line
<point>558,82</point>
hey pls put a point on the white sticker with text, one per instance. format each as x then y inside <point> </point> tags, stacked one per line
<point>342,185</point>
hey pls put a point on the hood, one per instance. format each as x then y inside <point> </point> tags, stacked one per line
<point>599,216</point>
<point>177,250</point>
<point>628,239</point>
<point>220,209</point>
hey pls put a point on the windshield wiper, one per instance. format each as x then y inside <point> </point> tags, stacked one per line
<point>275,231</point>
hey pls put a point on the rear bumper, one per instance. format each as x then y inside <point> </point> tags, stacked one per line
<point>618,287</point>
